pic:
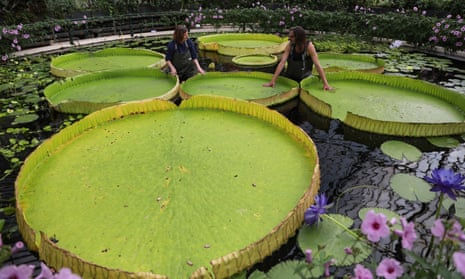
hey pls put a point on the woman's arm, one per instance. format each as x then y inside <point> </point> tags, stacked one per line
<point>280,66</point>
<point>312,51</point>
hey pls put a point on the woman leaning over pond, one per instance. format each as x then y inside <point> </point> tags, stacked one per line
<point>181,56</point>
<point>300,56</point>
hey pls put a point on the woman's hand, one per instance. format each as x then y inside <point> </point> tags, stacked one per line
<point>269,84</point>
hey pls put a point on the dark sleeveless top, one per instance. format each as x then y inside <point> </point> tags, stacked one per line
<point>299,64</point>
<point>181,55</point>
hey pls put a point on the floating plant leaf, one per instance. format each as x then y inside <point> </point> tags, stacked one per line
<point>411,187</point>
<point>257,274</point>
<point>459,206</point>
<point>334,235</point>
<point>388,105</point>
<point>154,161</point>
<point>255,60</point>
<point>25,118</point>
<point>447,142</point>
<point>235,44</point>
<point>388,213</point>
<point>290,270</point>
<point>400,150</point>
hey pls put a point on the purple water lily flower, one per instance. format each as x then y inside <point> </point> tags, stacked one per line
<point>314,212</point>
<point>446,181</point>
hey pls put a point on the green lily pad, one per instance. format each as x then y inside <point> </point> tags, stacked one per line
<point>334,235</point>
<point>75,63</point>
<point>289,270</point>
<point>459,206</point>
<point>25,118</point>
<point>241,85</point>
<point>401,150</point>
<point>447,142</point>
<point>388,105</point>
<point>388,213</point>
<point>194,191</point>
<point>255,60</point>
<point>411,187</point>
<point>235,44</point>
<point>94,91</point>
<point>334,62</point>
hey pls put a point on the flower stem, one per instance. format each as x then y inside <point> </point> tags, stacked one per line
<point>436,216</point>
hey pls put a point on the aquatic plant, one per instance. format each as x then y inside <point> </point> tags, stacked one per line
<point>444,256</point>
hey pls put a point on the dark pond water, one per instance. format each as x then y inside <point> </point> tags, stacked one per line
<point>347,158</point>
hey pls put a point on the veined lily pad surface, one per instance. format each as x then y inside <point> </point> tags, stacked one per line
<point>152,190</point>
<point>235,44</point>
<point>390,105</point>
<point>335,62</point>
<point>241,85</point>
<point>255,60</point>
<point>90,92</point>
<point>107,59</point>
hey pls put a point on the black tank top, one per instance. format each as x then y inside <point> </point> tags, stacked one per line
<point>299,65</point>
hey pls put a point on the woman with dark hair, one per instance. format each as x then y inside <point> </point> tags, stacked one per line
<point>181,56</point>
<point>300,56</point>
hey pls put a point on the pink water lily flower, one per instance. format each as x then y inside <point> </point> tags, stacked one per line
<point>374,226</point>
<point>360,272</point>
<point>407,234</point>
<point>459,261</point>
<point>389,269</point>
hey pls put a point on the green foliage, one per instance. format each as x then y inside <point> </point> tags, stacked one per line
<point>332,236</point>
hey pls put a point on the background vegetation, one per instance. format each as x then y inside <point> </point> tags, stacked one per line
<point>423,23</point>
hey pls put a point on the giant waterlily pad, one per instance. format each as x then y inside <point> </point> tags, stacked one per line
<point>388,105</point>
<point>335,62</point>
<point>241,85</point>
<point>255,60</point>
<point>107,59</point>
<point>235,44</point>
<point>93,91</point>
<point>154,190</point>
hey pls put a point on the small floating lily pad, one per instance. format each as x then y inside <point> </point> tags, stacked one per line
<point>334,234</point>
<point>291,269</point>
<point>255,60</point>
<point>401,150</point>
<point>389,105</point>
<point>241,85</point>
<point>335,62</point>
<point>107,59</point>
<point>94,91</point>
<point>447,142</point>
<point>459,206</point>
<point>411,187</point>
